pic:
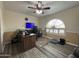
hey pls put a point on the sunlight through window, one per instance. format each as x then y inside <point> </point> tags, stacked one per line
<point>55,26</point>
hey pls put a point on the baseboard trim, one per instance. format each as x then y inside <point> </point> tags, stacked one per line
<point>71,44</point>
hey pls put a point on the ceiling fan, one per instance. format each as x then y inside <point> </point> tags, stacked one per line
<point>39,9</point>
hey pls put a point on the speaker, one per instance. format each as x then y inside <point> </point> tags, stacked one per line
<point>26,19</point>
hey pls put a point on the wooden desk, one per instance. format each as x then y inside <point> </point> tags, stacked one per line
<point>28,42</point>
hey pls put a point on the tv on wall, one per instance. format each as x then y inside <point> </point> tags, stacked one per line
<point>29,25</point>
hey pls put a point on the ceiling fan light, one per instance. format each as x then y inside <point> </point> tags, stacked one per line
<point>39,11</point>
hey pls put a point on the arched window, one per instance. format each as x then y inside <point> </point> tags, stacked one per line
<point>55,26</point>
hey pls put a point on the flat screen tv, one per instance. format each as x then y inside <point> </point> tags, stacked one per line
<point>29,25</point>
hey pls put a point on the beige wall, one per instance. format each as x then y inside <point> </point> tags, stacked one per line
<point>14,20</point>
<point>71,19</point>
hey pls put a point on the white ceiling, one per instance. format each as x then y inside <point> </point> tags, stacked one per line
<point>56,6</point>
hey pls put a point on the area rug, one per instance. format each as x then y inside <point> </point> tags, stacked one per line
<point>59,51</point>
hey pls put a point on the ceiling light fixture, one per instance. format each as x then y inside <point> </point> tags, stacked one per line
<point>39,11</point>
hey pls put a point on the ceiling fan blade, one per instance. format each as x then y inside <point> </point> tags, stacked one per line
<point>46,8</point>
<point>32,7</point>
